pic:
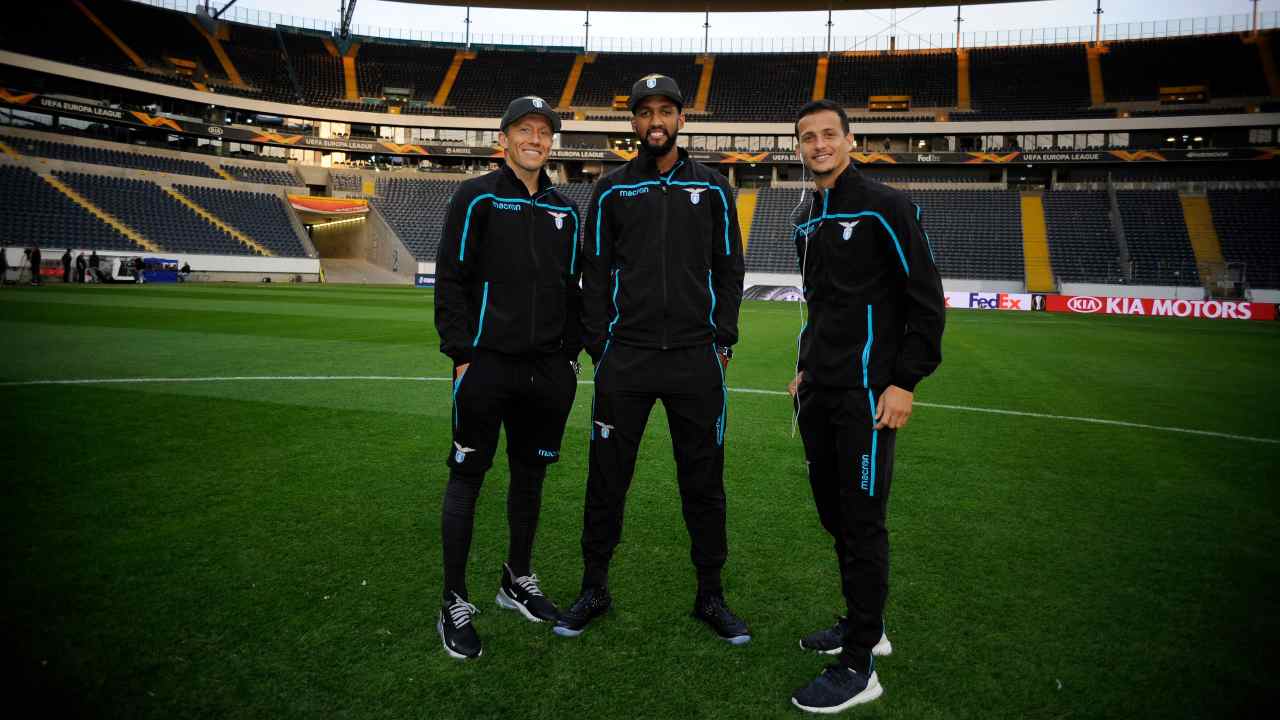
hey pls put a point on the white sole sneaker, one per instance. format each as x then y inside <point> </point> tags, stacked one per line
<point>871,692</point>
<point>444,644</point>
<point>506,602</point>
<point>882,649</point>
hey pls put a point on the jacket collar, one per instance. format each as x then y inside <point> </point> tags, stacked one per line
<point>544,180</point>
<point>647,164</point>
<point>846,181</point>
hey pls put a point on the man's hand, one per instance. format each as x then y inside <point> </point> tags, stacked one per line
<point>793,387</point>
<point>894,409</point>
<point>461,370</point>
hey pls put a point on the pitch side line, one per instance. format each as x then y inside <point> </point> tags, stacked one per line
<point>745,391</point>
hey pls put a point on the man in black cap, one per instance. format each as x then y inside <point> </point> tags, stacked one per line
<point>662,282</point>
<point>508,312</point>
<point>873,332</point>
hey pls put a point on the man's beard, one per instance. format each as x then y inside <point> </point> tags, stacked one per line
<point>660,150</point>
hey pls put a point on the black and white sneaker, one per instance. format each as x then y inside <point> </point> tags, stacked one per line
<point>591,603</point>
<point>838,688</point>
<point>830,641</point>
<point>457,634</point>
<point>523,594</point>
<point>712,610</point>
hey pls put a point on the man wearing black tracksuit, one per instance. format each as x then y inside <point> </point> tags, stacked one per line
<point>662,275</point>
<point>874,331</point>
<point>508,312</point>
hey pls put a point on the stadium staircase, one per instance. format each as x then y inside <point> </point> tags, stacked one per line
<point>8,151</point>
<point>215,44</point>
<point>820,78</point>
<point>708,63</point>
<point>134,57</point>
<point>964,93</point>
<point>216,222</point>
<point>451,76</point>
<point>224,174</point>
<point>1097,93</point>
<point>350,83</point>
<point>746,212</point>
<point>575,74</point>
<point>1035,244</point>
<point>1204,239</point>
<point>101,214</point>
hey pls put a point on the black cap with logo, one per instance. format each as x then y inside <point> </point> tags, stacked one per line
<point>522,106</point>
<point>655,85</point>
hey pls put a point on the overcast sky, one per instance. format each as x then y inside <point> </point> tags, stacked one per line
<point>1010,16</point>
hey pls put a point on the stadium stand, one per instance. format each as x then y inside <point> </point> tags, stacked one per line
<point>258,57</point>
<point>145,207</point>
<point>1137,69</point>
<point>487,83</point>
<point>32,212</point>
<point>319,73</point>
<point>929,78</point>
<point>974,234</point>
<point>59,31</point>
<point>1248,226</point>
<point>415,210</point>
<point>417,68</point>
<point>770,247</point>
<point>102,156</point>
<point>261,216</point>
<point>1029,82</point>
<point>1082,243</point>
<point>1154,229</point>
<point>737,92</point>
<point>613,74</point>
<point>263,176</point>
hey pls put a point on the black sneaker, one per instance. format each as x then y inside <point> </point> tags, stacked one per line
<point>830,641</point>
<point>457,634</point>
<point>592,602</point>
<point>837,688</point>
<point>523,594</point>
<point>712,610</point>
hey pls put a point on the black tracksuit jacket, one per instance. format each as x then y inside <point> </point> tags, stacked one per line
<point>661,258</point>
<point>876,308</point>
<point>507,270</point>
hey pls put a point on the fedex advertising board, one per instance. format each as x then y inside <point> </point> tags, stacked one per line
<point>988,300</point>
<point>1160,307</point>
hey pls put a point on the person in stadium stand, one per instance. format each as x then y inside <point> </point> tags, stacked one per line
<point>66,266</point>
<point>508,310</point>
<point>874,331</point>
<point>662,273</point>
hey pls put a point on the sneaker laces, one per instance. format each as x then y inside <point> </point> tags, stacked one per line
<point>529,583</point>
<point>460,612</point>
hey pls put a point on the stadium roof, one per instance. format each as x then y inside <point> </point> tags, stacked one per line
<point>698,5</point>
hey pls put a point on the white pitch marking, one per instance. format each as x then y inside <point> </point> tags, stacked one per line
<point>748,391</point>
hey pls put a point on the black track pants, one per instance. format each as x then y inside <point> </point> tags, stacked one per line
<point>690,384</point>
<point>850,470</point>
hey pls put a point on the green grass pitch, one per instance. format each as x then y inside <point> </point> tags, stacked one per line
<point>270,548</point>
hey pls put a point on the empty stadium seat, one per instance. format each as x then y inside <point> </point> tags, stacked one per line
<point>33,212</point>
<point>1248,226</point>
<point>260,216</point>
<point>159,217</point>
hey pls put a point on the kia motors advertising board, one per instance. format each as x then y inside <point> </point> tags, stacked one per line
<point>1161,307</point>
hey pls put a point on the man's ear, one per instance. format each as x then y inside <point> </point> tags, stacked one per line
<point>503,141</point>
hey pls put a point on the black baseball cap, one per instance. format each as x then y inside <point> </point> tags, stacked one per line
<point>655,85</point>
<point>522,106</point>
